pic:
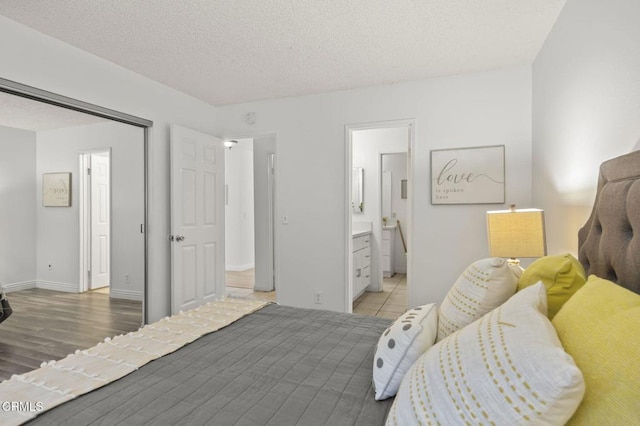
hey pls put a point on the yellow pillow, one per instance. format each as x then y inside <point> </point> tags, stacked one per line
<point>562,276</point>
<point>598,327</point>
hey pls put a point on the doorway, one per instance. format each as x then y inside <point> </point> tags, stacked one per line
<point>239,216</point>
<point>373,231</point>
<point>250,199</point>
<point>95,220</point>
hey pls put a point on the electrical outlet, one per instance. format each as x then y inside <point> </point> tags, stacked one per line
<point>51,266</point>
<point>317,297</point>
<point>126,279</point>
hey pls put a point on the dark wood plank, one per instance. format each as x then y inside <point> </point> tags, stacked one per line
<point>48,325</point>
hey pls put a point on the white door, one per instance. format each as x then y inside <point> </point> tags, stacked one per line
<point>197,218</point>
<point>100,227</point>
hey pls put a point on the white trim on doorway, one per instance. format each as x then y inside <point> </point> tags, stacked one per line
<point>349,129</point>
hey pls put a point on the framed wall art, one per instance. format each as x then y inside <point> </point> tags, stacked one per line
<point>56,189</point>
<point>468,175</point>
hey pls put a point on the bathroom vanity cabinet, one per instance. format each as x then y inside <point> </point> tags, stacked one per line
<point>361,263</point>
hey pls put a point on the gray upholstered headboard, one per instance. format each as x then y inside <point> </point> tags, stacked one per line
<point>609,243</point>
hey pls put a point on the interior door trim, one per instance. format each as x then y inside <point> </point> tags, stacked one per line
<point>30,92</point>
<point>409,124</point>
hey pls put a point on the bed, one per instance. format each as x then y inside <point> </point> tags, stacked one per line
<point>281,365</point>
<point>278,365</point>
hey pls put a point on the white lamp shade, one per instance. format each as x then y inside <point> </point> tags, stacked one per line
<point>516,233</point>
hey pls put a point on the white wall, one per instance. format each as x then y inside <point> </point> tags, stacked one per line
<point>367,146</point>
<point>35,59</point>
<point>17,207</point>
<point>397,165</point>
<point>486,108</point>
<point>468,110</point>
<point>586,104</point>
<point>58,232</point>
<point>239,211</point>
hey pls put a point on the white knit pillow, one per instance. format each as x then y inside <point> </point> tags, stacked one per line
<point>507,368</point>
<point>400,345</point>
<point>483,286</point>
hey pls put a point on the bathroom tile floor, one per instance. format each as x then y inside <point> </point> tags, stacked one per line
<point>390,303</point>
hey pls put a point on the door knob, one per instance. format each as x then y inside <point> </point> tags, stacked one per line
<point>179,237</point>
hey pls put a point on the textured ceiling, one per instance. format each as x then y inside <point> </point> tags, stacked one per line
<point>231,51</point>
<point>22,113</point>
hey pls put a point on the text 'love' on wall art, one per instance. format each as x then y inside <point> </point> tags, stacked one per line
<point>56,189</point>
<point>468,175</point>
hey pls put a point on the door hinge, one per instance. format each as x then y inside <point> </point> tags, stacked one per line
<point>142,228</point>
<point>89,171</point>
<point>89,274</point>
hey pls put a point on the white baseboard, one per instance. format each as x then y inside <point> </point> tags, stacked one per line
<point>240,268</point>
<point>125,294</point>
<point>24,285</point>
<point>69,288</point>
<point>51,285</point>
<point>47,285</point>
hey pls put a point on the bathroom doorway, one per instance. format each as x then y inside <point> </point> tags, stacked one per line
<point>379,228</point>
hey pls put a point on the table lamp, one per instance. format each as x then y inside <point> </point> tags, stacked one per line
<point>516,233</point>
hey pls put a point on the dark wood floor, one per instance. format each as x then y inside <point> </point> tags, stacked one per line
<point>48,325</point>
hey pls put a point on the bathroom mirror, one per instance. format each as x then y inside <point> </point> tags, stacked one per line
<point>357,190</point>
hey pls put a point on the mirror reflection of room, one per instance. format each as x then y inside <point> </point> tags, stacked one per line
<point>379,158</point>
<point>73,270</point>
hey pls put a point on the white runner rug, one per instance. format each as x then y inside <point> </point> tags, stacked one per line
<point>25,396</point>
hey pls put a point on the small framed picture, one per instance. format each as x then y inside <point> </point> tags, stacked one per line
<point>56,189</point>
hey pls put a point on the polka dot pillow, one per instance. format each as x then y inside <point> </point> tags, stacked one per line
<point>400,345</point>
